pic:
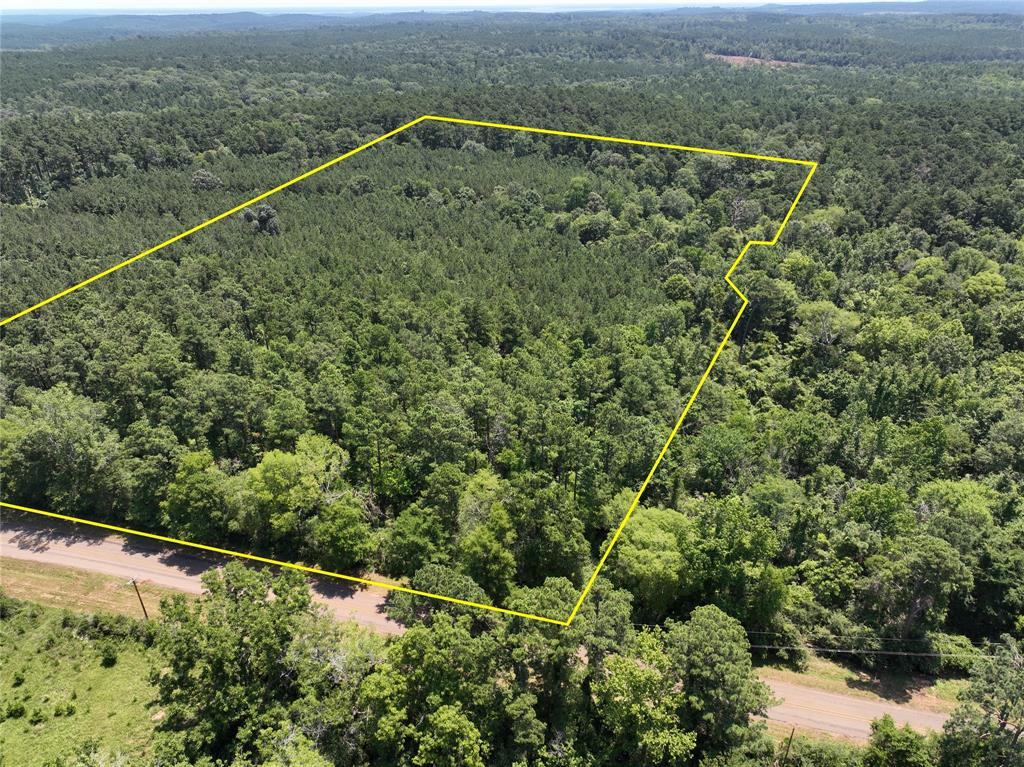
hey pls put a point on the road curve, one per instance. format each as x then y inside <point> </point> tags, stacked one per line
<point>57,543</point>
<point>173,567</point>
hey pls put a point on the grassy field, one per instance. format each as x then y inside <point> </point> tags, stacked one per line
<point>61,692</point>
<point>78,590</point>
<point>923,692</point>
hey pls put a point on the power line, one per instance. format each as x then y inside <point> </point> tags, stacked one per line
<point>871,652</point>
<point>868,638</point>
<point>855,651</point>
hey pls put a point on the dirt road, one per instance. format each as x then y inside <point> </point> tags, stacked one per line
<point>178,568</point>
<point>844,715</point>
<point>47,543</point>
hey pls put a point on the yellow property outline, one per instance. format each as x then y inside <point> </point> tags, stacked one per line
<point>811,165</point>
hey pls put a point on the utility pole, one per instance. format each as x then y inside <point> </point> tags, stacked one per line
<point>785,757</point>
<point>138,593</point>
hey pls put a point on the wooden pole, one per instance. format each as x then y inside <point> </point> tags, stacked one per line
<point>785,757</point>
<point>138,593</point>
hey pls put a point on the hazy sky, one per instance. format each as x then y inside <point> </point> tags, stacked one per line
<point>120,6</point>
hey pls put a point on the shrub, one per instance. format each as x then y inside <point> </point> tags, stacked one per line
<point>108,652</point>
<point>958,654</point>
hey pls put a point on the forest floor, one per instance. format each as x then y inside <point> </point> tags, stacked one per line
<point>62,565</point>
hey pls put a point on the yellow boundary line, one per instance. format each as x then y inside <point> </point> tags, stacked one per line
<point>813,166</point>
<point>280,563</point>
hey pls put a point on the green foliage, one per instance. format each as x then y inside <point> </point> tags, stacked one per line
<point>909,593</point>
<point>425,668</point>
<point>988,725</point>
<point>883,508</point>
<point>530,315</point>
<point>340,536</point>
<point>652,560</point>
<point>711,654</point>
<point>484,554</point>
<point>811,752</point>
<point>438,579</point>
<point>637,702</point>
<point>236,660</point>
<point>263,219</point>
<point>108,652</point>
<point>892,746</point>
<point>198,501</point>
<point>453,360</point>
<point>57,448</point>
<point>450,740</point>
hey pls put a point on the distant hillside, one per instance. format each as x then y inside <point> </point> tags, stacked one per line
<point>21,31</point>
<point>38,31</point>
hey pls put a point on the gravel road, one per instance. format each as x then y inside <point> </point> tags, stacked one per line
<point>55,543</point>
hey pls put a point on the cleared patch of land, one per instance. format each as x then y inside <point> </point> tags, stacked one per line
<point>748,60</point>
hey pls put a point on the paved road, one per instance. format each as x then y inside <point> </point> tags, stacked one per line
<point>45,542</point>
<point>844,715</point>
<point>173,567</point>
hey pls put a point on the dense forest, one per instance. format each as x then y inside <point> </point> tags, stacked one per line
<point>452,359</point>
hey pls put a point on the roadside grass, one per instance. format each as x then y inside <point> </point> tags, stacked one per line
<point>77,590</point>
<point>61,693</point>
<point>922,692</point>
<point>948,690</point>
<point>800,745</point>
<point>780,732</point>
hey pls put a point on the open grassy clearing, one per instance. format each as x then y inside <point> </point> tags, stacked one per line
<point>61,692</point>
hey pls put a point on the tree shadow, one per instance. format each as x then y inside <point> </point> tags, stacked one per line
<point>894,686</point>
<point>189,561</point>
<point>333,588</point>
<point>38,534</point>
<point>330,589</point>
